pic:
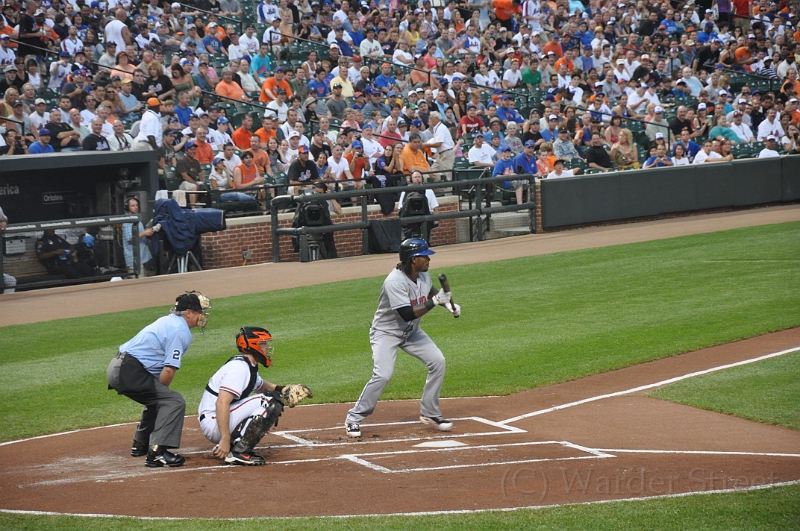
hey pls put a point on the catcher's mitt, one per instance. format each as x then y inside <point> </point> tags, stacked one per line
<point>295,393</point>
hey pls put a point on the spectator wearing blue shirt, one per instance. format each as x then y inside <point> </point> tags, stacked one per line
<point>261,65</point>
<point>708,33</point>
<point>525,162</point>
<point>585,35</point>
<point>506,113</point>
<point>506,166</point>
<point>494,129</point>
<point>385,80</point>
<point>42,145</point>
<point>659,160</point>
<point>318,84</point>
<point>210,42</point>
<point>182,109</point>
<point>689,147</point>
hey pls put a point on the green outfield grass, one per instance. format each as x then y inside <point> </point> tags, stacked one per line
<point>764,391</point>
<point>526,322</point>
<point>771,509</point>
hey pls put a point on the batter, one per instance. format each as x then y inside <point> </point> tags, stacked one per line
<point>406,295</point>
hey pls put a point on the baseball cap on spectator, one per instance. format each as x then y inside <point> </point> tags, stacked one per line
<point>701,107</point>
<point>38,12</point>
<point>222,120</point>
<point>659,110</point>
<point>337,85</point>
<point>645,56</point>
<point>18,103</point>
<point>420,90</point>
<point>660,136</point>
<point>214,24</point>
<point>280,69</point>
<point>507,148</point>
<point>185,62</point>
<point>172,120</point>
<point>709,24</point>
<point>302,148</point>
<point>737,112</point>
<point>194,115</point>
<point>723,92</point>
<point>551,53</point>
<point>530,143</point>
<point>62,54</point>
<point>369,125</point>
<point>471,106</point>
<point>40,101</point>
<point>690,43</point>
<point>751,36</point>
<point>357,144</point>
<point>742,100</point>
<point>793,100</point>
<point>620,61</point>
<point>44,132</point>
<point>771,138</point>
<point>294,134</point>
<point>356,58</point>
<point>190,144</point>
<point>416,123</point>
<point>153,102</point>
<point>680,82</point>
<point>526,37</point>
<point>5,36</point>
<point>552,117</point>
<point>709,12</point>
<point>176,4</point>
<point>400,123</point>
<point>391,93</point>
<point>217,160</point>
<point>334,45</point>
<point>662,26</point>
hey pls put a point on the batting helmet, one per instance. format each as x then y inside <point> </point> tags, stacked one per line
<point>256,341</point>
<point>414,247</point>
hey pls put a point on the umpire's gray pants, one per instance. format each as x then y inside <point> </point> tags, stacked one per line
<point>384,354</point>
<point>162,416</point>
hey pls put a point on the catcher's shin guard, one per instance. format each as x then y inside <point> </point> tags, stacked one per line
<point>252,429</point>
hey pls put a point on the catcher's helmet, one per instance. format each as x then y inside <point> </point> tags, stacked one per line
<point>414,247</point>
<point>256,341</point>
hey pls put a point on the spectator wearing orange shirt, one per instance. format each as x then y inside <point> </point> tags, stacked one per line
<point>269,90</point>
<point>267,130</point>
<point>566,60</point>
<point>505,10</point>
<point>260,157</point>
<point>412,157</point>
<point>554,45</point>
<point>205,153</point>
<point>241,137</point>
<point>230,88</point>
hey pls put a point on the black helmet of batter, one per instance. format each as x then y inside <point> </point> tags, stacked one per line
<point>414,247</point>
<point>257,342</point>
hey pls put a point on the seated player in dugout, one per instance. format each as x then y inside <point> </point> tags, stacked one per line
<point>60,257</point>
<point>239,407</point>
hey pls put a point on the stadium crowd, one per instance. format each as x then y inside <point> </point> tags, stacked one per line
<point>234,93</point>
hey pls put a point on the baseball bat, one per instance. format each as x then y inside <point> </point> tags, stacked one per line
<point>446,286</point>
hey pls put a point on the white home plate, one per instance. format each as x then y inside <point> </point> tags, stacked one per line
<point>441,443</point>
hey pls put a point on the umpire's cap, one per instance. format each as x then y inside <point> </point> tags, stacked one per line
<point>192,301</point>
<point>414,247</point>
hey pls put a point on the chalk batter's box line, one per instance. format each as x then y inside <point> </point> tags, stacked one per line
<point>363,458</point>
<point>288,434</point>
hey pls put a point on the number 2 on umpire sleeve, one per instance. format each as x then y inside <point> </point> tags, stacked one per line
<point>176,354</point>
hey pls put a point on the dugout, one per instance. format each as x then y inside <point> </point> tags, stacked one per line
<point>73,193</point>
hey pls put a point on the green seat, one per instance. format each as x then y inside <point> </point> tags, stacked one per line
<point>171,178</point>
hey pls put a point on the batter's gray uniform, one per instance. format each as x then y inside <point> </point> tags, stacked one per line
<point>388,333</point>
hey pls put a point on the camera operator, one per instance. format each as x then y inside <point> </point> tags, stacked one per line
<point>13,144</point>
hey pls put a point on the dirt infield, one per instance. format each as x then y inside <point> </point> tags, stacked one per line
<point>598,438</point>
<point>594,439</point>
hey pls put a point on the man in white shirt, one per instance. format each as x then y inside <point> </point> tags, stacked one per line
<point>340,168</point>
<point>442,144</point>
<point>769,151</point>
<point>40,117</point>
<point>481,154</point>
<point>620,74</point>
<point>267,11</point>
<point>117,31</point>
<point>559,171</point>
<point>278,107</point>
<point>250,41</point>
<point>150,131</point>
<point>370,47</point>
<point>512,76</point>
<point>631,64</point>
<point>706,155</point>
<point>770,126</point>
<point>372,148</point>
<point>741,129</point>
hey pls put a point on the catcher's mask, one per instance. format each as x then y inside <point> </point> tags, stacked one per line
<point>195,301</point>
<point>257,342</point>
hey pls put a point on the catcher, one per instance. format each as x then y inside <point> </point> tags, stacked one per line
<point>238,407</point>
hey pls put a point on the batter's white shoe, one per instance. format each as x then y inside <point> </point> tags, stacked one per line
<point>353,430</point>
<point>437,422</point>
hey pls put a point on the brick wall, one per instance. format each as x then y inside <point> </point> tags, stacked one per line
<point>224,249</point>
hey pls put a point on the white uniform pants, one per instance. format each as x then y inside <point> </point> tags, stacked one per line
<point>241,410</point>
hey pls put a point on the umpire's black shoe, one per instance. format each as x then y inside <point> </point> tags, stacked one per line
<point>138,449</point>
<point>158,456</point>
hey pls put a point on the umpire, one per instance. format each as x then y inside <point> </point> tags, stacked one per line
<point>143,370</point>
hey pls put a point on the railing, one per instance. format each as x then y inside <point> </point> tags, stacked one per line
<point>479,211</point>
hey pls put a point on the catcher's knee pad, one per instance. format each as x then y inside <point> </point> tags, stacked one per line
<point>252,429</point>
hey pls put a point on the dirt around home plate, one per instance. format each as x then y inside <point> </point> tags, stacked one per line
<point>594,439</point>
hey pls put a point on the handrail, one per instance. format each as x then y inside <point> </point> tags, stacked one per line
<point>195,8</point>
